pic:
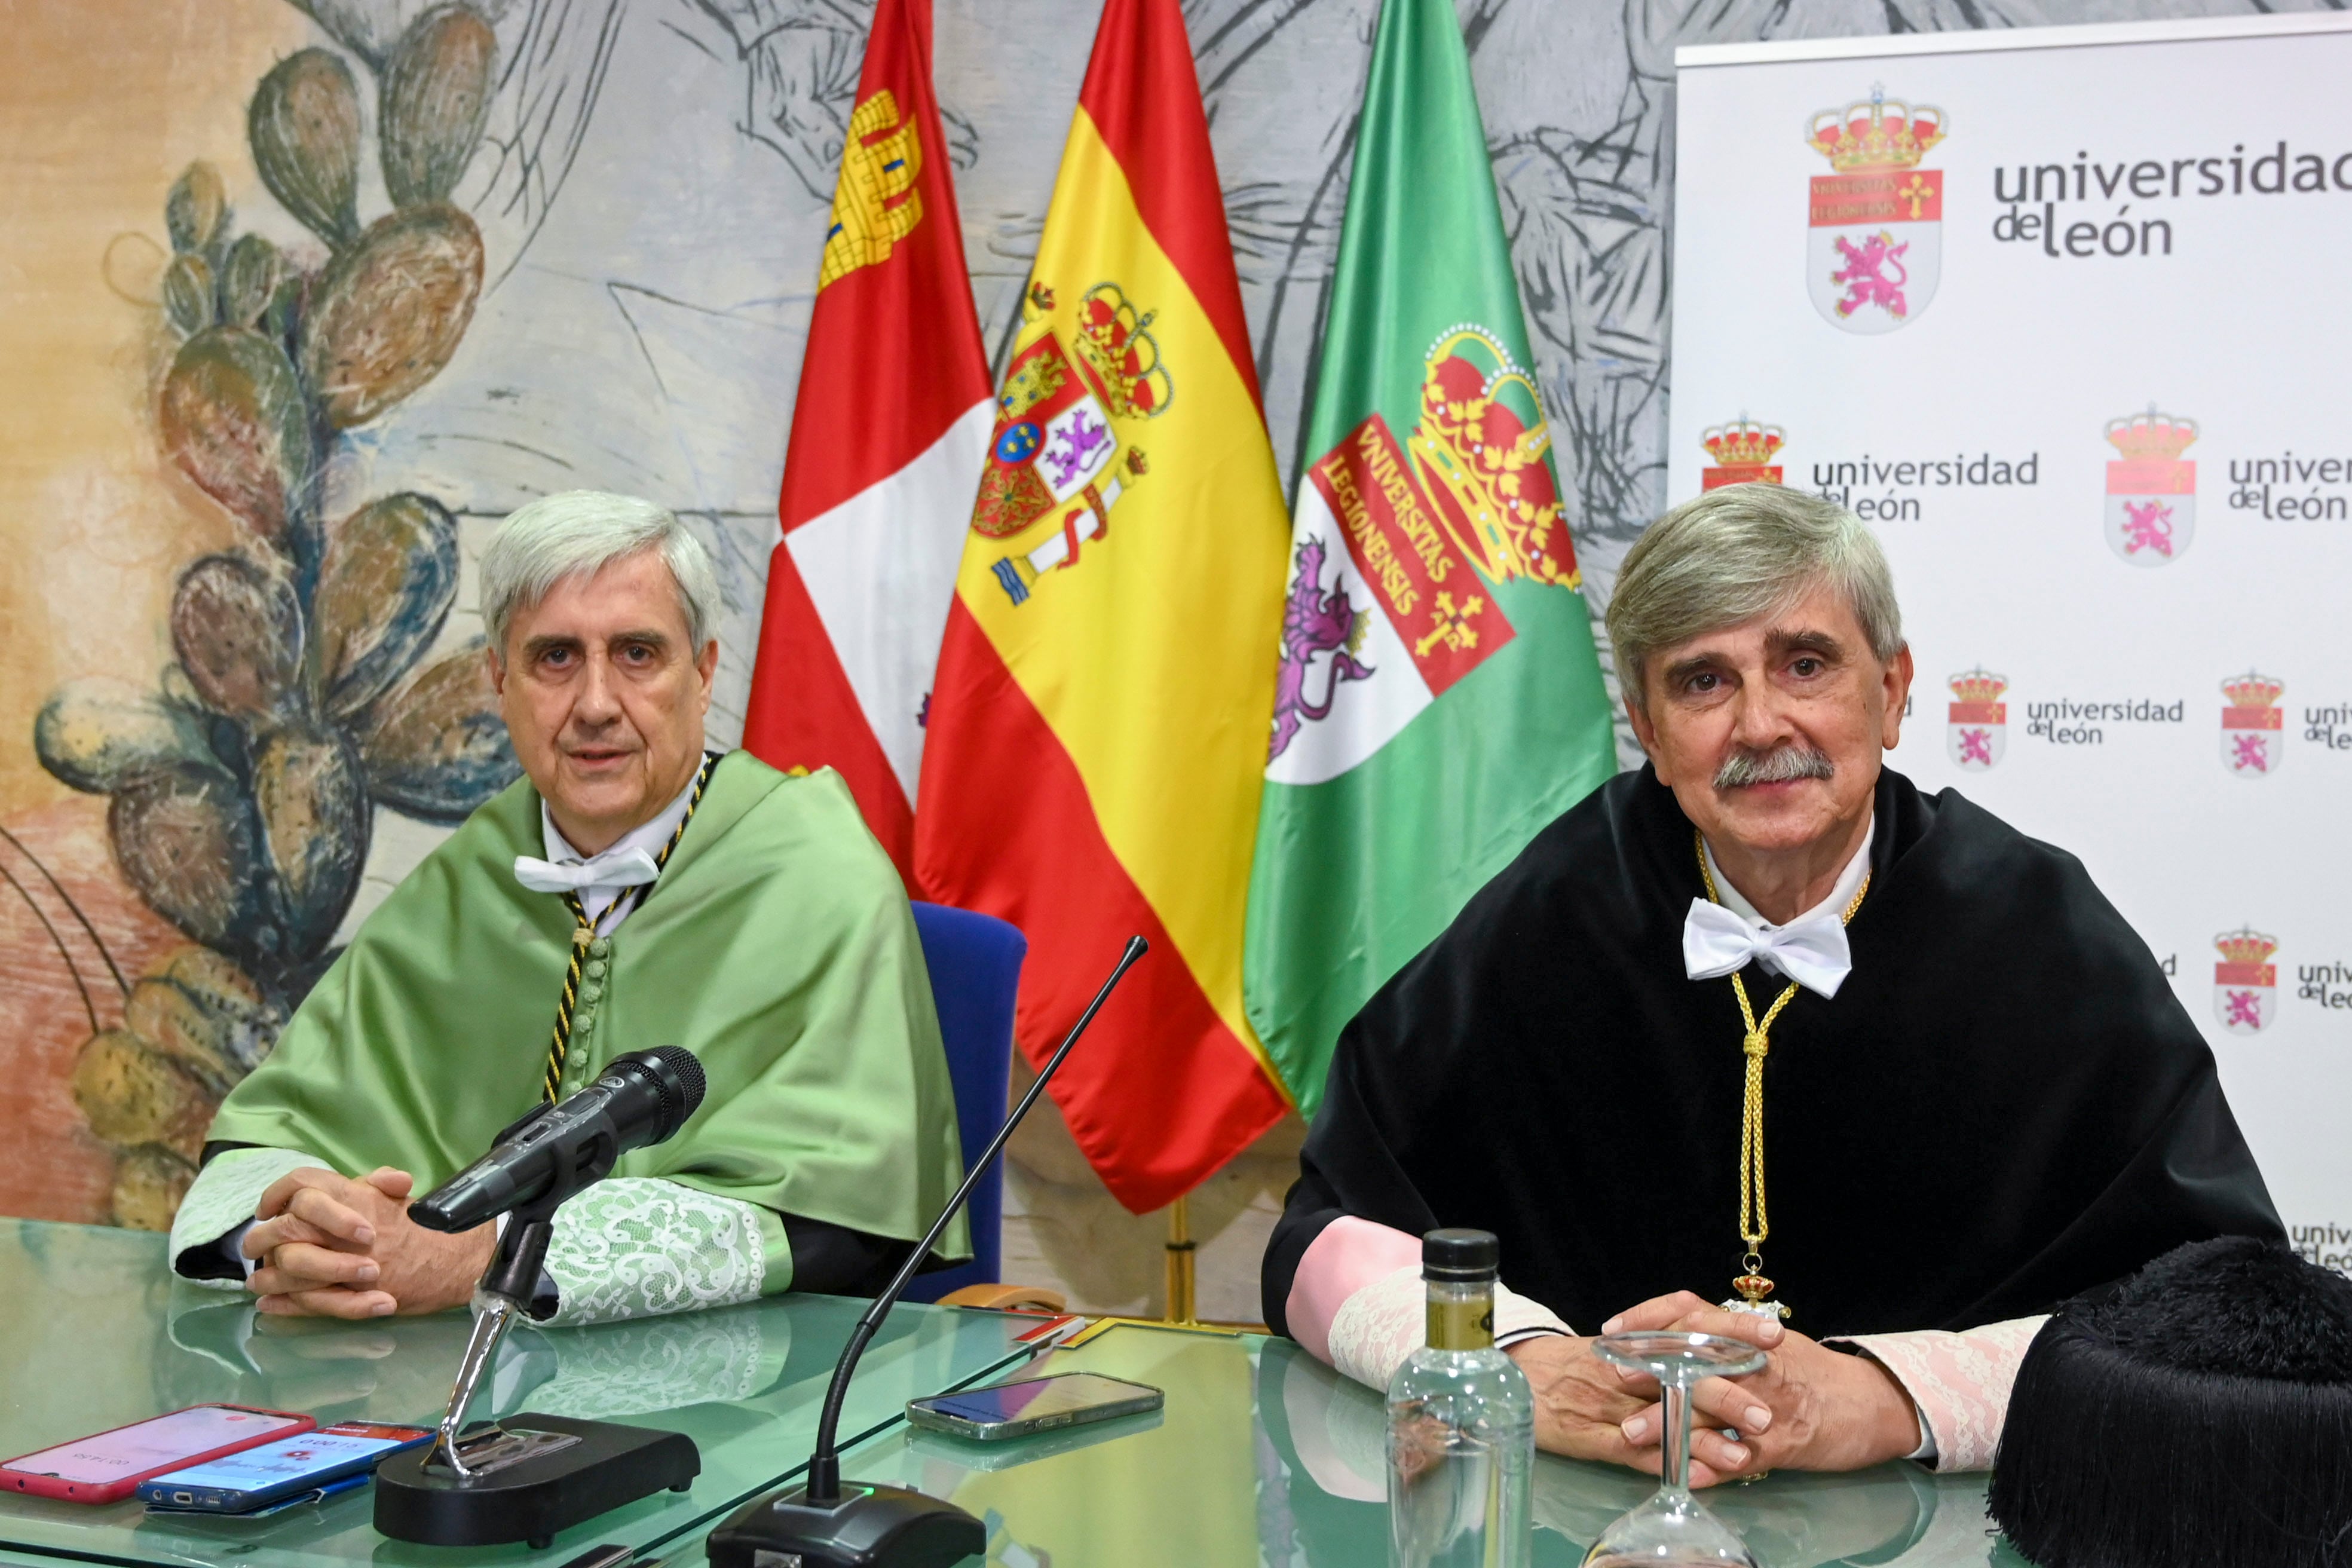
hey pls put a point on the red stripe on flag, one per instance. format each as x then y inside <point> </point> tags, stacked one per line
<point>894,352</point>
<point>804,712</point>
<point>1162,1093</point>
<point>1144,97</point>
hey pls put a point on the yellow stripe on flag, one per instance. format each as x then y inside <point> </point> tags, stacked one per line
<point>1153,657</point>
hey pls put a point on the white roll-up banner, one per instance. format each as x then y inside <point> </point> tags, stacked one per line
<point>2063,313</point>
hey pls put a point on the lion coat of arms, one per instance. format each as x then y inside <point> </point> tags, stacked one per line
<point>1875,249</point>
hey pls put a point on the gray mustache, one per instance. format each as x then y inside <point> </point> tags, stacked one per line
<point>1781,764</point>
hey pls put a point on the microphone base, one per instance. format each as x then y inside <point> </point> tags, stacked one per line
<point>871,1527</point>
<point>549,1484</point>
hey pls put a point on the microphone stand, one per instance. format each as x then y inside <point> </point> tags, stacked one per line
<point>817,1525</point>
<point>503,1295</point>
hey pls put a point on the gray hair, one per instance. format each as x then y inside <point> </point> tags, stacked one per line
<point>1737,554</point>
<point>579,534</point>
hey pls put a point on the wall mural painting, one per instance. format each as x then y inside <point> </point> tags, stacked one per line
<point>241,787</point>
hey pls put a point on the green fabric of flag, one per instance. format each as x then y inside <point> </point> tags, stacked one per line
<point>1440,696</point>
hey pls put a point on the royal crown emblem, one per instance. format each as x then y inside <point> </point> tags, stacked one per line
<point>1484,460</point>
<point>1875,133</point>
<point>1743,442</point>
<point>1743,452</point>
<point>1115,340</point>
<point>2251,690</point>
<point>2245,945</point>
<point>1976,734</point>
<point>2151,510</point>
<point>2254,729</point>
<point>2151,435</point>
<point>1978,686</point>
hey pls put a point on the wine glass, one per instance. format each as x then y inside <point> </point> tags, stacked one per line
<point>1673,1529</point>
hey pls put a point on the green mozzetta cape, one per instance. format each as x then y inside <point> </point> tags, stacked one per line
<point>778,947</point>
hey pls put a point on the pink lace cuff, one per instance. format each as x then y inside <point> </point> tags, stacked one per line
<point>1959,1382</point>
<point>1350,1254</point>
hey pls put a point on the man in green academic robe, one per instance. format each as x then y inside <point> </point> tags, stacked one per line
<point>717,904</point>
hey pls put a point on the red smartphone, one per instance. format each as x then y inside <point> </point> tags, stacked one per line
<point>107,1467</point>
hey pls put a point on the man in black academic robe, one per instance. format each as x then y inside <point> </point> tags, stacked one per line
<point>1999,1103</point>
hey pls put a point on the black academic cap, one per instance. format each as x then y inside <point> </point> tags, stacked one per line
<point>2199,1413</point>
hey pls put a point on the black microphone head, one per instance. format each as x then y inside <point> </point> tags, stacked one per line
<point>677,1073</point>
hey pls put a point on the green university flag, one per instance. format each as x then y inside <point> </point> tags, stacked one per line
<point>1440,699</point>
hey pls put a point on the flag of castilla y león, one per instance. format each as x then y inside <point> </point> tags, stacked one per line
<point>889,434</point>
<point>1098,724</point>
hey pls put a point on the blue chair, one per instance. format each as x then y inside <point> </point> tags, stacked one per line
<point>975,965</point>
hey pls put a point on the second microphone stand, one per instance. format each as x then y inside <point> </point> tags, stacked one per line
<point>824,1524</point>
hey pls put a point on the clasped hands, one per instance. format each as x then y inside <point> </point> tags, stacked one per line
<point>1810,1407</point>
<point>344,1247</point>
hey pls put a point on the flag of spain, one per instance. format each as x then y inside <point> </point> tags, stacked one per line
<point>1097,728</point>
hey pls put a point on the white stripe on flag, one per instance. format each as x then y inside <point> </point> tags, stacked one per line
<point>881,568</point>
<point>1365,714</point>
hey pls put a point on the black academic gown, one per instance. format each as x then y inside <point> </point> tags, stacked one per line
<point>2004,1104</point>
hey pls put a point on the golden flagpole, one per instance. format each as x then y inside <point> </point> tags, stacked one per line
<point>1180,1308</point>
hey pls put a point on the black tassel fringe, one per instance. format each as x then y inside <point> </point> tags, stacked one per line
<point>2198,1415</point>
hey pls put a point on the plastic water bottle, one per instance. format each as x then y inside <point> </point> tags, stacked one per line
<point>1461,1423</point>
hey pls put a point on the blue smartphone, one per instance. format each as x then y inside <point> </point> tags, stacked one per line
<point>282,1470</point>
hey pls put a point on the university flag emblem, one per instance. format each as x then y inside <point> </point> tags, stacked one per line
<point>2245,982</point>
<point>1431,530</point>
<point>1437,698</point>
<point>1098,723</point>
<point>2254,729</point>
<point>2151,512</point>
<point>1978,733</point>
<point>889,435</point>
<point>1743,451</point>
<point>1876,251</point>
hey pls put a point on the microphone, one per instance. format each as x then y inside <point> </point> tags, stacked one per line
<point>641,1099</point>
<point>825,1525</point>
<point>499,1484</point>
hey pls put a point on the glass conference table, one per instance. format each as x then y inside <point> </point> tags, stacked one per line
<point>1262,1455</point>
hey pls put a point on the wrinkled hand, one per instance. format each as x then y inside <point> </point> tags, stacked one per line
<point>1582,1405</point>
<point>1810,1408</point>
<point>339,1246</point>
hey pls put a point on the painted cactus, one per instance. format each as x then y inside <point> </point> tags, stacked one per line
<point>243,789</point>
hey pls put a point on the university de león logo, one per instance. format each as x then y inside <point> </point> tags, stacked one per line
<point>2253,728</point>
<point>1875,249</point>
<point>1743,451</point>
<point>1061,422</point>
<point>2245,982</point>
<point>1432,526</point>
<point>1979,731</point>
<point>2151,490</point>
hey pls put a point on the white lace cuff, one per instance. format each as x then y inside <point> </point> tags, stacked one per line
<point>635,1247</point>
<point>1960,1384</point>
<point>1382,1323</point>
<point>221,1200</point>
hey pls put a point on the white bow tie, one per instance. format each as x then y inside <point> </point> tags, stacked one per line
<point>621,869</point>
<point>1811,951</point>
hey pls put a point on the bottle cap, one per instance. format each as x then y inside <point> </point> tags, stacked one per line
<point>1468,1255</point>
